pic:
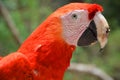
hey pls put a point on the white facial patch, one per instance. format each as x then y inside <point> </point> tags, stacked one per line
<point>74,24</point>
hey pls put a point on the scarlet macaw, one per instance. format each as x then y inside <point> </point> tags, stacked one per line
<point>46,53</point>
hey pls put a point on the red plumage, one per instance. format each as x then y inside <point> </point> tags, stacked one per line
<point>44,55</point>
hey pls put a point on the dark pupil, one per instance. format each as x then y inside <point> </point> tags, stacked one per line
<point>74,16</point>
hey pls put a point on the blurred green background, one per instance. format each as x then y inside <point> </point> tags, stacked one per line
<point>28,14</point>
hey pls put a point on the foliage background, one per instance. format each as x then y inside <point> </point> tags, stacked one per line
<point>28,14</point>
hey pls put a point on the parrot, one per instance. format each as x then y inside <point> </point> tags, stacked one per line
<point>46,53</point>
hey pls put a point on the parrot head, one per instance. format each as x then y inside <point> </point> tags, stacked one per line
<point>83,24</point>
<point>77,24</point>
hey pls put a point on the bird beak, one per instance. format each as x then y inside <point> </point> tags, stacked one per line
<point>97,30</point>
<point>102,29</point>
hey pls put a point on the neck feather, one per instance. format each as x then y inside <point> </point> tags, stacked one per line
<point>47,51</point>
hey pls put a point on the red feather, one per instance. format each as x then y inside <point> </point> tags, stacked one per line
<point>44,55</point>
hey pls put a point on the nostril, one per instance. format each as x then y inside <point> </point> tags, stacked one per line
<point>108,30</point>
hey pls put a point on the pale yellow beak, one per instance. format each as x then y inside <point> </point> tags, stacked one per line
<point>102,29</point>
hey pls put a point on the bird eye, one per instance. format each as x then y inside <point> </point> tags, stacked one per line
<point>74,16</point>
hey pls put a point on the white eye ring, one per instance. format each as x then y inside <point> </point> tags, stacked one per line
<point>74,16</point>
